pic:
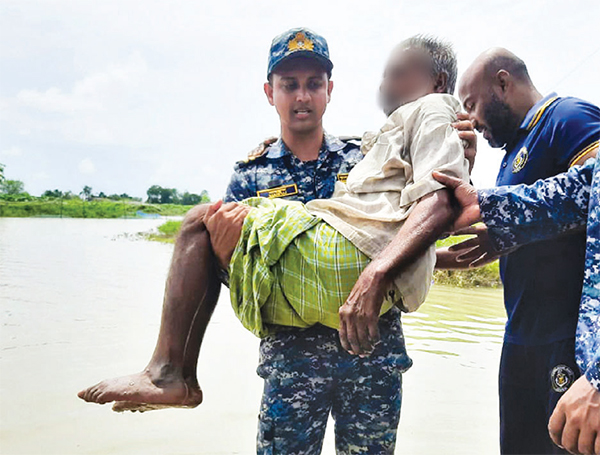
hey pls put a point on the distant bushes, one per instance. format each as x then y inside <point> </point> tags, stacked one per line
<point>76,208</point>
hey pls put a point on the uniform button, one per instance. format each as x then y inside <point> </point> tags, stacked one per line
<point>504,164</point>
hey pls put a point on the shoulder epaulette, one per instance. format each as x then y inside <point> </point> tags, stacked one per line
<point>260,150</point>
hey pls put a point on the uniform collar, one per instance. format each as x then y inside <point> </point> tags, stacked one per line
<point>330,144</point>
<point>535,113</point>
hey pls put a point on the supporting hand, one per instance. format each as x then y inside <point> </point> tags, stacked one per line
<point>477,251</point>
<point>575,422</point>
<point>466,196</point>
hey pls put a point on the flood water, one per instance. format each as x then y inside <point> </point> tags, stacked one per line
<point>80,301</point>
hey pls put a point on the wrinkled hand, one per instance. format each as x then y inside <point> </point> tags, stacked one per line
<point>466,196</point>
<point>359,315</point>
<point>467,133</point>
<point>575,422</point>
<point>477,251</point>
<point>224,224</point>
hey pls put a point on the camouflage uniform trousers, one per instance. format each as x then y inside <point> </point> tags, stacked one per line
<point>308,374</point>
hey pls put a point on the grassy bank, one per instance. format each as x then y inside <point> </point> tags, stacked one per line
<point>166,232</point>
<point>487,276</point>
<point>76,208</point>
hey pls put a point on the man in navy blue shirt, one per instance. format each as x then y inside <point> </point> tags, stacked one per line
<point>541,136</point>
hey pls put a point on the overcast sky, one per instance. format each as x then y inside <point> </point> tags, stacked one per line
<point>121,95</point>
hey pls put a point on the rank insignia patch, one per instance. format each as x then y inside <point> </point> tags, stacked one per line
<point>300,43</point>
<point>280,191</point>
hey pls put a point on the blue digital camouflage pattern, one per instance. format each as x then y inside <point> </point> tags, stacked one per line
<point>308,376</point>
<point>588,328</point>
<point>307,373</point>
<point>298,42</point>
<point>278,168</point>
<point>517,215</point>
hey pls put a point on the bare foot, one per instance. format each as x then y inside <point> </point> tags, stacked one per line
<point>122,406</point>
<point>139,392</point>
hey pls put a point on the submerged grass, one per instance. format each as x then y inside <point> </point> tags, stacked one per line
<point>167,232</point>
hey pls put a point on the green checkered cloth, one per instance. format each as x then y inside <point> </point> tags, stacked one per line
<point>291,269</point>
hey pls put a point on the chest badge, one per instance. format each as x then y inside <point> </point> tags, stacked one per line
<point>342,177</point>
<point>520,160</point>
<point>280,191</point>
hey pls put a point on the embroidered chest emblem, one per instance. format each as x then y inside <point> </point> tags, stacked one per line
<point>561,377</point>
<point>520,160</point>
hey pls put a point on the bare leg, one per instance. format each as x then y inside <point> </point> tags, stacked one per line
<point>191,293</point>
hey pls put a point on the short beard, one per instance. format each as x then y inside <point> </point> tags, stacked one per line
<point>502,122</point>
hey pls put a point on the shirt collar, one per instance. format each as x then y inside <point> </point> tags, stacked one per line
<point>330,144</point>
<point>535,113</point>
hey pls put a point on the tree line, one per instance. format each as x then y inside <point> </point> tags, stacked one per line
<point>14,191</point>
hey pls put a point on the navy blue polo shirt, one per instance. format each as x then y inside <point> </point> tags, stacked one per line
<point>543,281</point>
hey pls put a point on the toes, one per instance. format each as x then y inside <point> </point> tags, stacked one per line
<point>88,393</point>
<point>122,406</point>
<point>95,394</point>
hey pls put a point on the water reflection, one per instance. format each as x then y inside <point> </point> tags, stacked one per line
<point>453,315</point>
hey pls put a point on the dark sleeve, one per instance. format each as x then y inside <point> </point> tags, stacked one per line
<point>575,132</point>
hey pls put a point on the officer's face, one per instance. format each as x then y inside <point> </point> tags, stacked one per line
<point>407,77</point>
<point>491,115</point>
<point>299,90</point>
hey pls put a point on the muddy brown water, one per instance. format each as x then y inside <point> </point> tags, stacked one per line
<point>80,301</point>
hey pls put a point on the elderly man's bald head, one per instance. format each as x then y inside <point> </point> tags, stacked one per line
<point>497,92</point>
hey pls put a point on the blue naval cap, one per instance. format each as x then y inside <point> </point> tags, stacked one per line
<point>299,42</point>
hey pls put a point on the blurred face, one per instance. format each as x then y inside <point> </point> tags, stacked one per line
<point>407,77</point>
<point>300,91</point>
<point>489,112</point>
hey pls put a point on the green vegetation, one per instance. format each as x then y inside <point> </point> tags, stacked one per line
<point>16,202</point>
<point>159,195</point>
<point>167,232</point>
<point>77,208</point>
